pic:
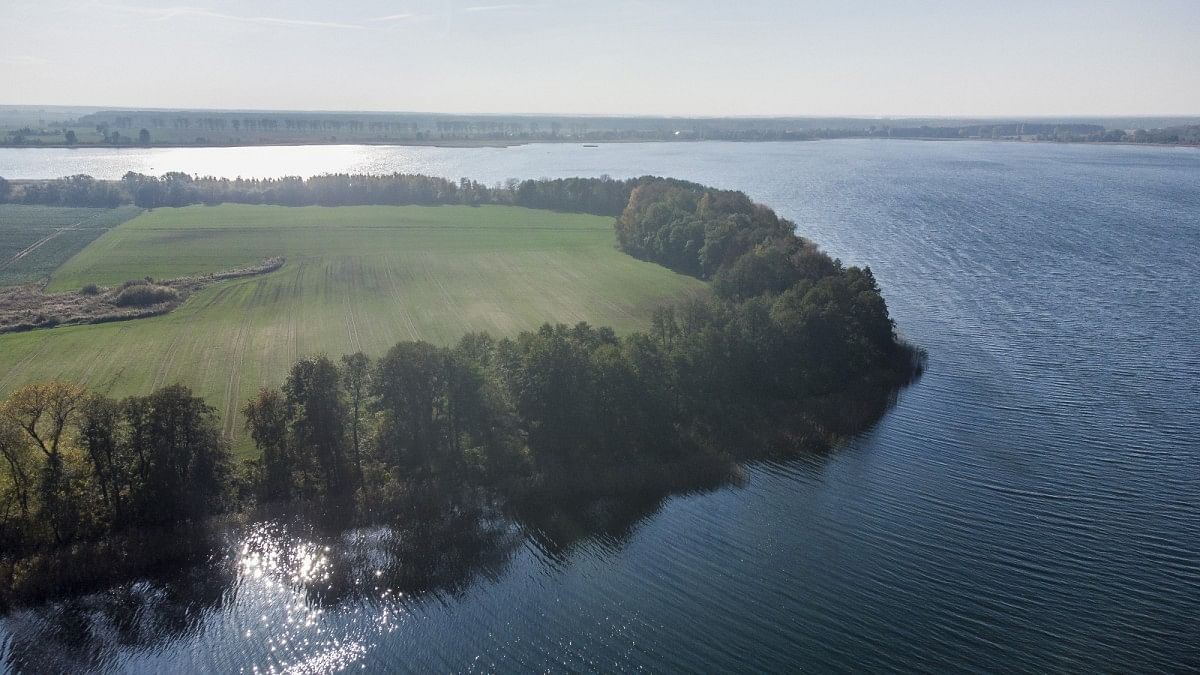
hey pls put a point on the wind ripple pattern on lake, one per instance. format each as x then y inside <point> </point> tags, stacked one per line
<point>1031,504</point>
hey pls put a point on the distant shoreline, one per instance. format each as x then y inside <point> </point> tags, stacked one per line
<point>491,143</point>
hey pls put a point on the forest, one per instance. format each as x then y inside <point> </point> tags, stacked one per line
<point>791,351</point>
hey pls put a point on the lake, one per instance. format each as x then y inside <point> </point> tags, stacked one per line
<point>1031,504</point>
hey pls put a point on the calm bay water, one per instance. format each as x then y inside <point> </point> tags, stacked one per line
<point>1031,504</point>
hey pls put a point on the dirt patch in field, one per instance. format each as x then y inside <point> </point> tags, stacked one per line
<point>29,307</point>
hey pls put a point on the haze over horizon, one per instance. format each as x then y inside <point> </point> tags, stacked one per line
<point>675,58</point>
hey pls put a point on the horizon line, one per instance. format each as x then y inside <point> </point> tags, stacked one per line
<point>631,115</point>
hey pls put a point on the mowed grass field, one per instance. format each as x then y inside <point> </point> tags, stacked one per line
<point>356,278</point>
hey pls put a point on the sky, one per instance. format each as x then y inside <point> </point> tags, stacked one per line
<point>668,57</point>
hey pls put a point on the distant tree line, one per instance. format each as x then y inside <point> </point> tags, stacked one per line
<point>600,196</point>
<point>122,128</point>
<point>80,190</point>
<point>1186,135</point>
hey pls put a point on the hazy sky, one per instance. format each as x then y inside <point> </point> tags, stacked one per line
<point>684,57</point>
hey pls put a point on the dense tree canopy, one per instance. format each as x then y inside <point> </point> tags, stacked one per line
<point>80,464</point>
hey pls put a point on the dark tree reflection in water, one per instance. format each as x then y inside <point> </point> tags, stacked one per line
<point>315,586</point>
<point>83,632</point>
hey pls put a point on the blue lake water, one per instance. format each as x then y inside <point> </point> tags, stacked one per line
<point>1031,504</point>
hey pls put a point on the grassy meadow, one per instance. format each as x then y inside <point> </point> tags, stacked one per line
<point>356,278</point>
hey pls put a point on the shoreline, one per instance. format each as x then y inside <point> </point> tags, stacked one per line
<point>470,143</point>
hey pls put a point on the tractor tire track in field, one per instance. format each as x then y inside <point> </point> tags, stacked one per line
<point>555,294</point>
<point>293,345</point>
<point>43,241</point>
<point>126,352</point>
<point>167,359</point>
<point>350,305</point>
<point>508,269</point>
<point>33,355</point>
<point>367,288</point>
<point>213,352</point>
<point>236,356</point>
<point>406,317</point>
<point>433,276</point>
<point>594,296</point>
<point>615,305</point>
<point>549,307</point>
<point>33,247</point>
<point>353,322</point>
<point>298,309</point>
<point>88,372</point>
<point>503,322</point>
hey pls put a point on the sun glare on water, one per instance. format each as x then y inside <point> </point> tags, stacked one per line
<point>287,588</point>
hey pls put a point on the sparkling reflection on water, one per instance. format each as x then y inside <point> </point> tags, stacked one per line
<point>275,574</point>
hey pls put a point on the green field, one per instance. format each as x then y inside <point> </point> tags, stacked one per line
<point>355,278</point>
<point>35,240</point>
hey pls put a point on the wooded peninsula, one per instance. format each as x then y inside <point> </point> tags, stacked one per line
<point>790,352</point>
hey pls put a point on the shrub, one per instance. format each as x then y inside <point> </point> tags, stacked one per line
<point>144,295</point>
<point>89,289</point>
